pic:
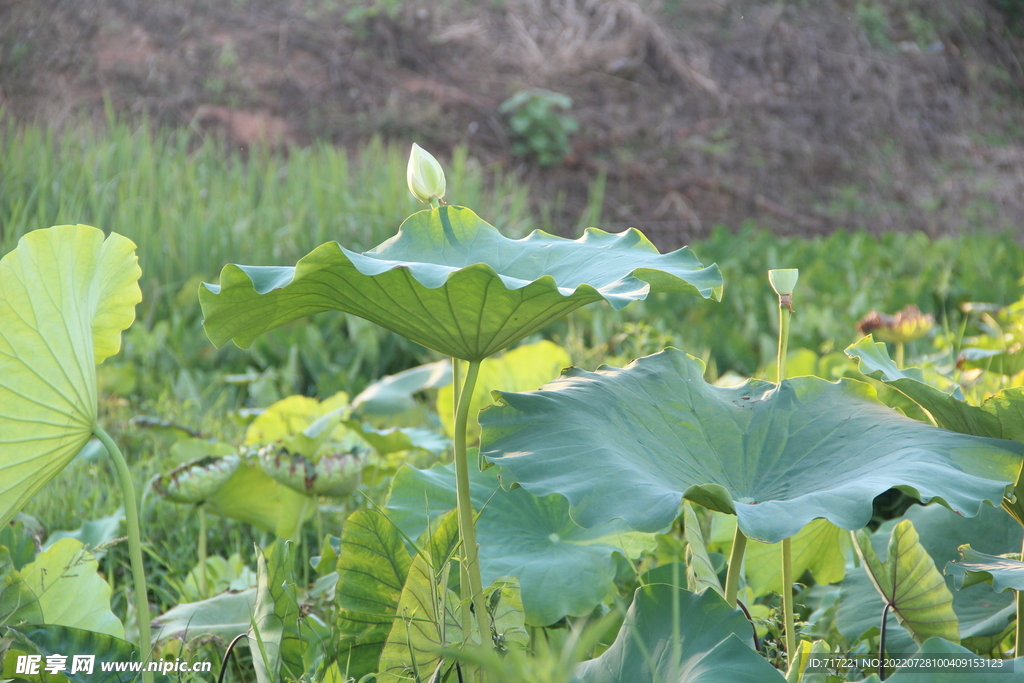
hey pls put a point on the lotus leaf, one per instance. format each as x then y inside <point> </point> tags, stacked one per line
<point>66,293</point>
<point>777,456</point>
<point>1004,573</point>
<point>453,283</point>
<point>394,394</point>
<point>223,616</point>
<point>274,639</point>
<point>63,640</point>
<point>563,569</point>
<point>673,635</point>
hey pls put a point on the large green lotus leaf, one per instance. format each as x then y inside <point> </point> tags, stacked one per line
<point>631,443</point>
<point>910,582</point>
<point>69,591</point>
<point>1001,416</point>
<point>563,569</point>
<point>453,283</point>
<point>673,635</point>
<point>980,612</point>
<point>524,368</point>
<point>66,294</point>
<point>372,567</point>
<point>974,567</point>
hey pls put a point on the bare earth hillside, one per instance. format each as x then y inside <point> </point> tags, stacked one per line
<point>804,117</point>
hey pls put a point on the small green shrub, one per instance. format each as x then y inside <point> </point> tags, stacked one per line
<point>539,127</point>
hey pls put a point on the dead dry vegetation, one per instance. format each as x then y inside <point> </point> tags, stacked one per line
<point>804,117</point>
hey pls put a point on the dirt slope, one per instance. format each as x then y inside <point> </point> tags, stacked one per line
<point>804,117</point>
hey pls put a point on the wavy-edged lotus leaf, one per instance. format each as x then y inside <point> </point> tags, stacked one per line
<point>563,569</point>
<point>223,616</point>
<point>674,635</point>
<point>453,283</point>
<point>777,456</point>
<point>397,439</point>
<point>973,567</point>
<point>334,474</point>
<point>68,642</point>
<point>193,482</point>
<point>523,368</point>
<point>303,423</point>
<point>980,612</point>
<point>69,590</point>
<point>394,394</point>
<point>66,294</point>
<point>998,417</point>
<point>910,582</point>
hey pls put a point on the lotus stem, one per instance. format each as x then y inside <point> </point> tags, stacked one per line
<point>203,592</point>
<point>131,513</point>
<point>899,355</point>
<point>785,311</point>
<point>787,597</point>
<point>732,578</point>
<point>881,640</point>
<point>467,532</point>
<point>1018,639</point>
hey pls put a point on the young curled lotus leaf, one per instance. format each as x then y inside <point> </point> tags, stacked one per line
<point>335,474</point>
<point>777,456</point>
<point>453,283</point>
<point>66,294</point>
<point>195,481</point>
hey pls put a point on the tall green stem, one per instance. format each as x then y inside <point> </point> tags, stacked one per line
<point>787,550</point>
<point>732,578</point>
<point>131,512</point>
<point>899,355</point>
<point>203,592</point>
<point>467,532</point>
<point>1018,641</point>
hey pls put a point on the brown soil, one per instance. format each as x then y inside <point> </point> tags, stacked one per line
<point>803,117</point>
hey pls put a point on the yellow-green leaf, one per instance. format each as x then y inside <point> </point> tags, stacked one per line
<point>66,294</point>
<point>910,582</point>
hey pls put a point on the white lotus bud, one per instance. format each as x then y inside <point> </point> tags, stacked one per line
<point>783,280</point>
<point>424,175</point>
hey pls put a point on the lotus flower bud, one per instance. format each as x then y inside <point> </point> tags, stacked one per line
<point>424,175</point>
<point>783,280</point>
<point>333,474</point>
<point>195,481</point>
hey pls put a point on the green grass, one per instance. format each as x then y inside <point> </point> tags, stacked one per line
<point>193,205</point>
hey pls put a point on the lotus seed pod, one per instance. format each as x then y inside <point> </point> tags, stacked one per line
<point>906,326</point>
<point>195,481</point>
<point>783,280</point>
<point>335,474</point>
<point>424,175</point>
